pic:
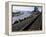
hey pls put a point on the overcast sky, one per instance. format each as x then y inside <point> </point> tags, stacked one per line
<point>22,8</point>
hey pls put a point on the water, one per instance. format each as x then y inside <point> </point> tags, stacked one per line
<point>26,14</point>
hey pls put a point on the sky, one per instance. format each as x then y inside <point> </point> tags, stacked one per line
<point>22,8</point>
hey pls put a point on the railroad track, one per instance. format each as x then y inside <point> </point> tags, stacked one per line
<point>22,25</point>
<point>35,25</point>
